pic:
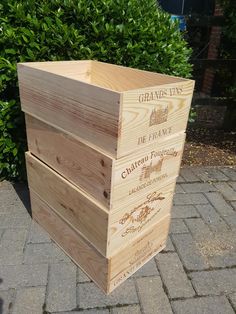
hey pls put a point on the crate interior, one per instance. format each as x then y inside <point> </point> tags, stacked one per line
<point>105,75</point>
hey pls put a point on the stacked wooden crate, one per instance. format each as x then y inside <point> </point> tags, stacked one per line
<point>105,146</point>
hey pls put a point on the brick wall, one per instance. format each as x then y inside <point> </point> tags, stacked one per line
<point>213,50</point>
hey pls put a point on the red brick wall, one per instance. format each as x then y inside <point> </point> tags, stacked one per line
<point>213,49</point>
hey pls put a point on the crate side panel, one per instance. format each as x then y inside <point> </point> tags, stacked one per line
<point>58,101</point>
<point>87,217</point>
<point>133,220</point>
<point>81,252</point>
<point>129,260</point>
<point>138,173</point>
<point>153,114</point>
<point>89,169</point>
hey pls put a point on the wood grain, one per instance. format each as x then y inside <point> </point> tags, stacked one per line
<point>91,114</point>
<point>127,261</point>
<point>86,257</point>
<point>107,231</point>
<point>104,179</point>
<point>131,221</point>
<point>136,174</point>
<point>137,107</point>
<point>108,107</point>
<point>107,273</point>
<point>86,216</point>
<point>87,168</point>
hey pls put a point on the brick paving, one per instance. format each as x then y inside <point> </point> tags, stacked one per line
<point>195,273</point>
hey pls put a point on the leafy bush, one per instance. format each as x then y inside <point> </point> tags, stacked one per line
<point>127,32</point>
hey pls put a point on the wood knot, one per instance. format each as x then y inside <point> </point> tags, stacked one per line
<point>105,194</point>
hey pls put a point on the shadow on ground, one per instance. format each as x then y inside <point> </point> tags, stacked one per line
<point>22,191</point>
<point>1,300</point>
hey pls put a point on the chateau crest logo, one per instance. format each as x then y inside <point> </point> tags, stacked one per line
<point>138,217</point>
<point>148,170</point>
<point>158,116</point>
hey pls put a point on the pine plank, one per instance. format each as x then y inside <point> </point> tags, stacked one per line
<point>107,273</point>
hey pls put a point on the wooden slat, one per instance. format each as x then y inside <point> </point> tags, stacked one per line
<point>128,223</point>
<point>170,105</point>
<point>79,163</point>
<point>121,79</point>
<point>90,113</point>
<point>108,107</point>
<point>87,217</point>
<point>78,249</point>
<point>136,174</point>
<point>108,232</point>
<point>97,174</point>
<point>129,260</point>
<point>106,273</point>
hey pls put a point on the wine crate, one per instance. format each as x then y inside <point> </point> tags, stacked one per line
<point>111,182</point>
<point>107,231</point>
<point>112,108</point>
<point>107,273</point>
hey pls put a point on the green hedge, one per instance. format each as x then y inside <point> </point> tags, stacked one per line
<point>133,33</point>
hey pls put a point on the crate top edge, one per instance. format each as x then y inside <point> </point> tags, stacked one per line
<point>56,68</point>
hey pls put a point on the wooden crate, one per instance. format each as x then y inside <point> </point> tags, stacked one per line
<point>107,273</point>
<point>111,182</point>
<point>112,108</point>
<point>107,231</point>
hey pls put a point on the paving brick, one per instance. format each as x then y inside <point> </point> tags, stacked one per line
<point>214,281</point>
<point>197,187</point>
<point>90,296</point>
<point>233,185</point>
<point>206,305</point>
<point>1,233</point>
<point>10,202</point>
<point>233,204</point>
<point>23,276</point>
<point>211,217</point>
<point>218,249</point>
<point>173,276</point>
<point>184,211</point>
<point>6,301</point>
<point>44,253</point>
<point>11,246</point>
<point>188,251</point>
<point>231,220</point>
<point>134,309</point>
<point>61,291</point>
<point>169,246</point>
<point>178,226</point>
<point>219,203</point>
<point>149,269</point>
<point>227,191</point>
<point>37,234</point>
<point>210,174</point>
<point>188,175</point>
<point>190,199</point>
<point>5,186</point>
<point>180,179</point>
<point>13,221</point>
<point>82,277</point>
<point>232,298</point>
<point>29,300</point>
<point>93,311</point>
<point>152,296</point>
<point>229,172</point>
<point>179,189</point>
<point>197,227</point>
